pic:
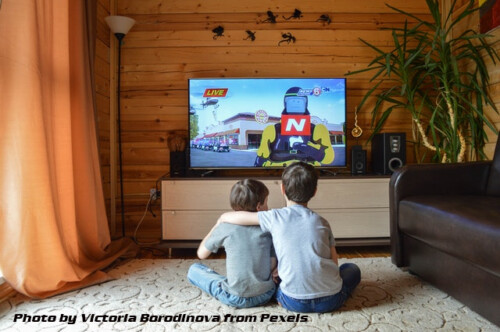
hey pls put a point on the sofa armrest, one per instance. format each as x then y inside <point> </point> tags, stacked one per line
<point>431,179</point>
<point>440,179</point>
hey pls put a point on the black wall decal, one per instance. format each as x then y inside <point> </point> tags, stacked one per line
<point>297,14</point>
<point>325,18</point>
<point>251,35</point>
<point>219,32</point>
<point>271,18</point>
<point>287,37</point>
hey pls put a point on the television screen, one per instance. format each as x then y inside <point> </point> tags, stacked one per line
<point>266,122</point>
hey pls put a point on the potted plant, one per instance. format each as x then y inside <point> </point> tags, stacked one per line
<point>440,79</point>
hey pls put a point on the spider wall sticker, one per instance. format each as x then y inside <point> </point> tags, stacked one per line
<point>251,35</point>
<point>287,37</point>
<point>218,32</point>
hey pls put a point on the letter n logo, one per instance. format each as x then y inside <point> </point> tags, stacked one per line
<point>295,125</point>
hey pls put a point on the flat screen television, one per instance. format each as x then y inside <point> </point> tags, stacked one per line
<point>266,122</point>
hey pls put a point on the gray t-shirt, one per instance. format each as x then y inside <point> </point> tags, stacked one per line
<point>302,240</point>
<point>248,258</point>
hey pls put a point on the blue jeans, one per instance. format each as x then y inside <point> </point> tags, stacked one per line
<point>351,276</point>
<point>210,281</point>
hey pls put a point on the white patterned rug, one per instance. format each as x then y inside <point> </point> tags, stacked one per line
<point>154,295</point>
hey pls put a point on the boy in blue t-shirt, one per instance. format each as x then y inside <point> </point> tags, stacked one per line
<point>311,280</point>
<point>249,263</point>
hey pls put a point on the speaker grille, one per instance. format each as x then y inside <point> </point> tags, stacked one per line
<point>388,152</point>
<point>358,160</point>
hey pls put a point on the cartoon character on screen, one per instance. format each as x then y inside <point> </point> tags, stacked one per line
<point>295,137</point>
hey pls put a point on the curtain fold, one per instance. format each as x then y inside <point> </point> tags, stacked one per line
<point>54,233</point>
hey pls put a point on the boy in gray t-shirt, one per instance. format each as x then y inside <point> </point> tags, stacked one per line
<point>311,279</point>
<point>249,263</point>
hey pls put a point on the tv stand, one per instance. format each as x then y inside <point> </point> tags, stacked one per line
<point>357,207</point>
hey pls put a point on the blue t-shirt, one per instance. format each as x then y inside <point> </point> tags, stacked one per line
<point>248,258</point>
<point>302,240</point>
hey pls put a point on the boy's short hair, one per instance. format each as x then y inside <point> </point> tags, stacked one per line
<point>300,181</point>
<point>246,194</point>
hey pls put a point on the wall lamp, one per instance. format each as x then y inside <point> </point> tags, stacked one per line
<point>120,25</point>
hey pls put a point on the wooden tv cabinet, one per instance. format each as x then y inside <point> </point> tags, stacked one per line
<point>357,207</point>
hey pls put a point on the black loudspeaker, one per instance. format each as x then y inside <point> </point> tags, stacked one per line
<point>388,152</point>
<point>177,164</point>
<point>358,160</point>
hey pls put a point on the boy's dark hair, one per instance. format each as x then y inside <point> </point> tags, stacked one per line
<point>246,194</point>
<point>300,181</point>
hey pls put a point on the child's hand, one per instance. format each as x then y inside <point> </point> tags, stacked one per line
<point>276,277</point>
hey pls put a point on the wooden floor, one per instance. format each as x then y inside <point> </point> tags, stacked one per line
<point>190,253</point>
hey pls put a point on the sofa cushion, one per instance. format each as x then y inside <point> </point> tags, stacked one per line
<point>466,226</point>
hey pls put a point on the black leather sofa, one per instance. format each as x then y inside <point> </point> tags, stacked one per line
<point>445,227</point>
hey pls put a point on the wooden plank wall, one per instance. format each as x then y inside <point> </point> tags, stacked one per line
<point>173,41</point>
<point>102,81</point>
<point>495,93</point>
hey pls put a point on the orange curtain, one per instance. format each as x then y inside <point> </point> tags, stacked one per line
<point>54,234</point>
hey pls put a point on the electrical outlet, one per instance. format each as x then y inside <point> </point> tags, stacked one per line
<point>153,194</point>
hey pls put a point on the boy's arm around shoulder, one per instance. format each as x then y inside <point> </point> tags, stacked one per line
<point>232,217</point>
<point>243,218</point>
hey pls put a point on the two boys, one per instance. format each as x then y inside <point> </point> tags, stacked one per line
<point>311,280</point>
